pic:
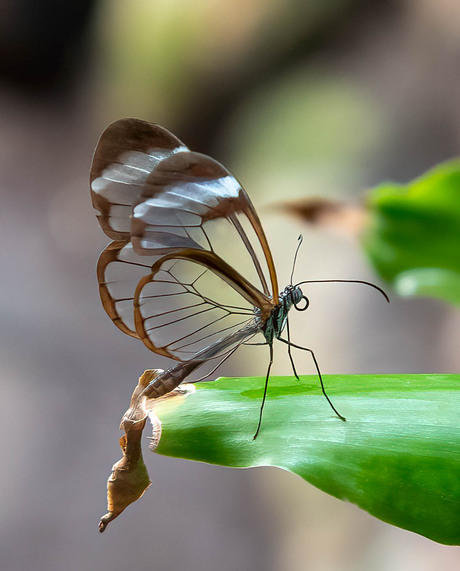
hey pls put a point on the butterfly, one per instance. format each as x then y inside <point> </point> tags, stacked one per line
<point>162,279</point>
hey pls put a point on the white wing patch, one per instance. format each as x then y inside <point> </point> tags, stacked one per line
<point>121,183</point>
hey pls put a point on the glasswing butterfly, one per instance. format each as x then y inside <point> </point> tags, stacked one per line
<point>163,279</point>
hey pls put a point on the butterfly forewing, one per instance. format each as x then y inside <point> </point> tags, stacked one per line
<point>184,194</point>
<point>189,243</point>
<point>126,154</point>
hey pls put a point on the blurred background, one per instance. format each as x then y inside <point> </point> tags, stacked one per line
<point>297,99</point>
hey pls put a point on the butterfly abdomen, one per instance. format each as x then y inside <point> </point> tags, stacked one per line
<point>171,378</point>
<point>168,380</point>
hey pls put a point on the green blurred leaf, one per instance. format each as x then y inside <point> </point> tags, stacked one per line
<point>397,456</point>
<point>413,236</point>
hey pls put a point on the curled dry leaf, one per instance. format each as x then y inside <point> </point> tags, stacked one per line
<point>129,478</point>
<point>346,217</point>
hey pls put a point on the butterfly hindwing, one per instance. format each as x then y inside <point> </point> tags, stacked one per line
<point>183,307</point>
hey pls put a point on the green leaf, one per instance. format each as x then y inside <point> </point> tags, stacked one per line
<point>413,236</point>
<point>397,456</point>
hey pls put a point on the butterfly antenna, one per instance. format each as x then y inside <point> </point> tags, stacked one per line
<point>300,239</point>
<point>379,289</point>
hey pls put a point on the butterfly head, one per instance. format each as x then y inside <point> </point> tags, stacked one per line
<point>293,296</point>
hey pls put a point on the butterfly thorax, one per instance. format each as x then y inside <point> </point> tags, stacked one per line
<point>276,321</point>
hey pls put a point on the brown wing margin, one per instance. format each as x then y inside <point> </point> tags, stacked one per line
<point>258,229</point>
<point>109,256</point>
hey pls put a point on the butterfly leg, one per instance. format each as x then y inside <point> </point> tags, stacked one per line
<point>265,391</point>
<point>319,374</point>
<point>289,350</point>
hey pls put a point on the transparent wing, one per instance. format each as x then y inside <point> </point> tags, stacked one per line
<point>182,199</point>
<point>182,228</point>
<point>177,306</point>
<point>187,318</point>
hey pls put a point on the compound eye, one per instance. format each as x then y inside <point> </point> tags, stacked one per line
<point>303,308</point>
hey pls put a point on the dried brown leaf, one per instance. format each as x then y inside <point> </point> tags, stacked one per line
<point>348,218</point>
<point>129,478</point>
